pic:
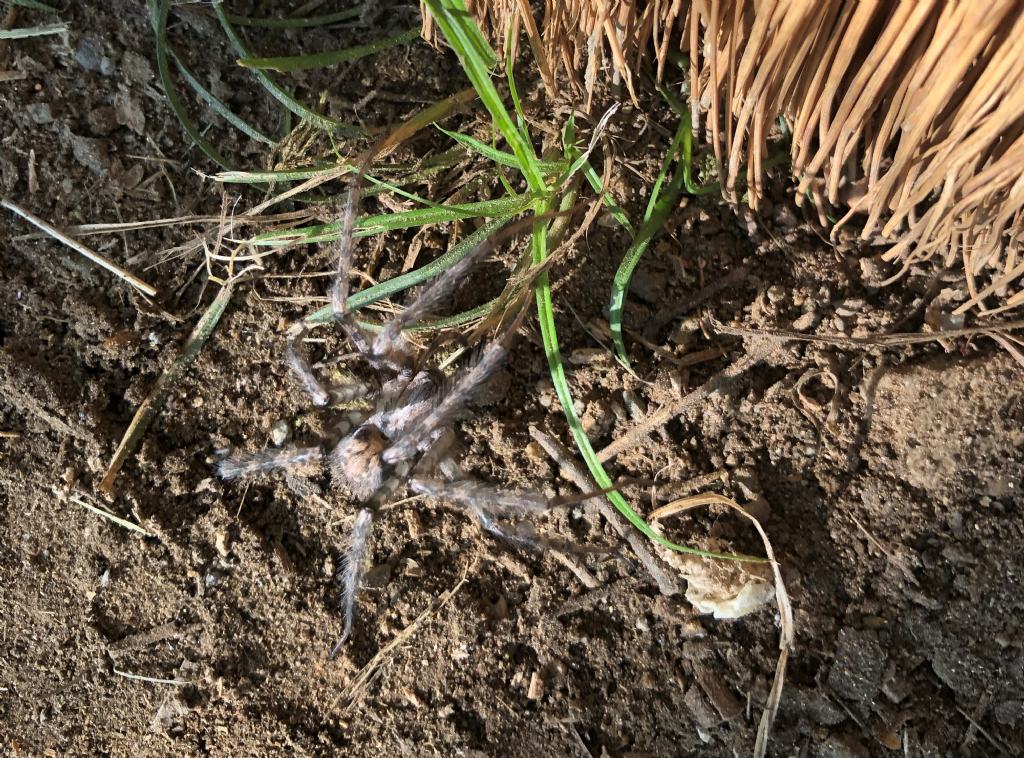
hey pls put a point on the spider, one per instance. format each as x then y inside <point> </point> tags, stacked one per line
<point>406,438</point>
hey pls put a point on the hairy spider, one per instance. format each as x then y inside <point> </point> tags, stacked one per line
<point>405,438</point>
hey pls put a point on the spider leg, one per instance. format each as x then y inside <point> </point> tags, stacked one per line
<point>487,504</point>
<point>346,243</point>
<point>299,365</point>
<point>339,304</point>
<point>418,436</point>
<point>247,464</point>
<point>390,337</point>
<point>339,293</point>
<point>346,393</point>
<point>436,457</point>
<point>485,497</point>
<point>350,573</point>
<point>518,534</point>
<point>389,341</point>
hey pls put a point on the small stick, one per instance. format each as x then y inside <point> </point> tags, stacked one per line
<point>844,342</point>
<point>589,581</point>
<point>150,407</point>
<point>661,417</point>
<point>151,679</point>
<point>110,516</point>
<point>992,740</point>
<point>78,247</point>
<point>370,670</point>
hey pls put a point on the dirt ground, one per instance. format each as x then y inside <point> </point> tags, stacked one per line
<point>889,481</point>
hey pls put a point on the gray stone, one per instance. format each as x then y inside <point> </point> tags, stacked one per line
<point>40,113</point>
<point>94,154</point>
<point>1010,713</point>
<point>89,55</point>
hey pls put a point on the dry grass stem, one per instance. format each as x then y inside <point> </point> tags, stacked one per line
<point>79,248</point>
<point>370,671</point>
<point>786,636</point>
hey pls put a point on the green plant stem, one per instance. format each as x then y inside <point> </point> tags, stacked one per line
<point>658,209</point>
<point>329,58</point>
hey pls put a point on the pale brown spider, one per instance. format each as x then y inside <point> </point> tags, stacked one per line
<point>405,438</point>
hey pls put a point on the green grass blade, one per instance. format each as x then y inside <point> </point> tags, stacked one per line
<point>463,35</point>
<point>499,156</point>
<point>513,91</point>
<point>445,322</point>
<point>413,172</point>
<point>154,401</point>
<point>377,224</point>
<point>574,154</point>
<point>304,22</point>
<point>549,336</point>
<point>35,6</point>
<point>159,11</point>
<point>329,58</point>
<point>477,58</point>
<point>325,123</point>
<point>609,200</point>
<point>282,175</point>
<point>397,284</point>
<point>218,105</point>
<point>26,32</point>
<point>658,209</point>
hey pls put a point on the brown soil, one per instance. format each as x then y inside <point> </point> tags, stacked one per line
<point>896,510</point>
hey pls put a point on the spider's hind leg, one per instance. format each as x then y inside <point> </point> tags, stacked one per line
<point>488,505</point>
<point>350,573</point>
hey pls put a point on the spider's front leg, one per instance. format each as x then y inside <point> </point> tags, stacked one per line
<point>273,459</point>
<point>299,365</point>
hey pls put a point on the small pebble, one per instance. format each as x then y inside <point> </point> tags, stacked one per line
<point>534,451</point>
<point>89,55</point>
<point>805,322</point>
<point>280,432</point>
<point>40,113</point>
<point>536,689</point>
<point>586,355</point>
<point>220,542</point>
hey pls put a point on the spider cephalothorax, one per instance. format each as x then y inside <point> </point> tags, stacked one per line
<point>404,438</point>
